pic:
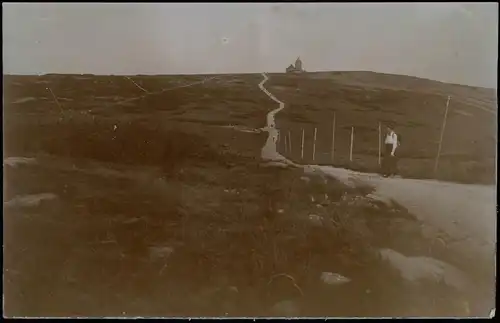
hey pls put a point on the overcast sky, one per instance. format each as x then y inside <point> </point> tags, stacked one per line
<point>451,42</point>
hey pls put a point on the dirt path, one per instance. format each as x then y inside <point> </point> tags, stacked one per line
<point>147,93</point>
<point>269,151</point>
<point>140,87</point>
<point>465,212</point>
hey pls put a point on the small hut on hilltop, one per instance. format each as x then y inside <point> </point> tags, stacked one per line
<point>297,68</point>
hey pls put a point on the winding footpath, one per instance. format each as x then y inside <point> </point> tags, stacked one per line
<point>467,213</point>
<point>269,151</point>
<point>147,93</point>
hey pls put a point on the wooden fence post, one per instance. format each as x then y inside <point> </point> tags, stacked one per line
<point>379,143</point>
<point>302,146</point>
<point>333,137</point>
<point>290,142</point>
<point>352,143</point>
<point>441,137</point>
<point>314,143</point>
<point>285,140</point>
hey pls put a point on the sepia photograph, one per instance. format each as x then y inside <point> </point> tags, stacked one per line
<point>250,160</point>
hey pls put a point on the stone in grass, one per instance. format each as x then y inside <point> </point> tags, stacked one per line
<point>310,170</point>
<point>16,161</point>
<point>418,269</point>
<point>30,200</point>
<point>222,299</point>
<point>305,179</point>
<point>333,279</point>
<point>285,308</point>
<point>160,252</point>
<point>275,164</point>
<point>315,219</point>
<point>379,198</point>
<point>232,191</point>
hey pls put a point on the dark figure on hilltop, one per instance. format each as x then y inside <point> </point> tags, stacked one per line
<point>391,143</point>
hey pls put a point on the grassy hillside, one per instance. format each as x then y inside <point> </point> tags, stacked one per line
<point>416,106</point>
<point>157,210</point>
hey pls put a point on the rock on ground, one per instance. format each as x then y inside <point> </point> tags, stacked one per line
<point>30,200</point>
<point>286,308</point>
<point>417,269</point>
<point>159,252</point>
<point>333,278</point>
<point>16,161</point>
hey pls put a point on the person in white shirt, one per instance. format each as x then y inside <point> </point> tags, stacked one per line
<point>391,143</point>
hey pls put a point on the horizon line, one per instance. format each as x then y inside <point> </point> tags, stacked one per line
<point>249,73</point>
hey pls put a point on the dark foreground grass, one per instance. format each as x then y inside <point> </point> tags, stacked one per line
<point>181,218</point>
<point>205,242</point>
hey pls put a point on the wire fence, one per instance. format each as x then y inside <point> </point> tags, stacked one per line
<point>350,146</point>
<point>315,145</point>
